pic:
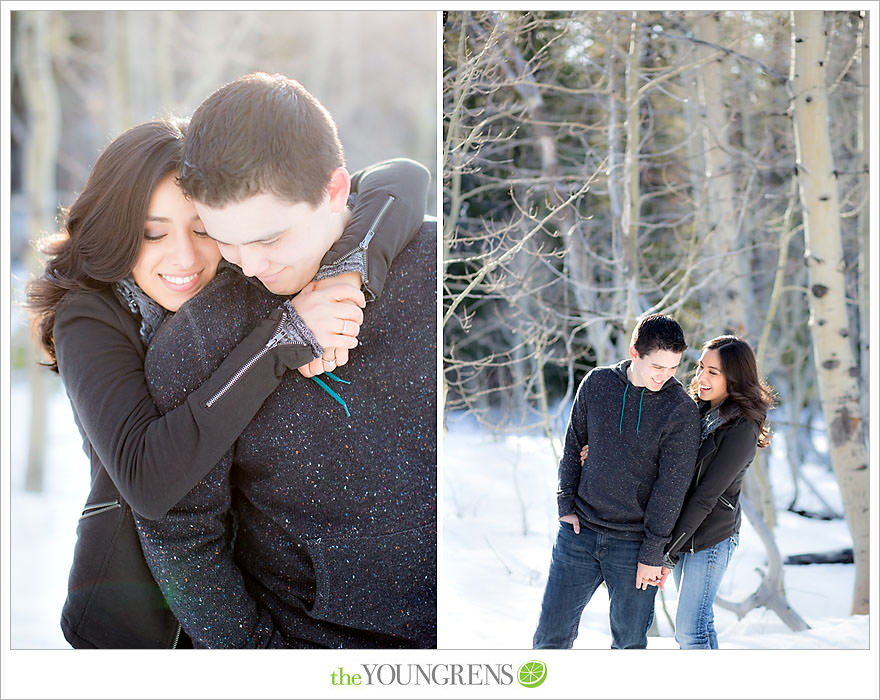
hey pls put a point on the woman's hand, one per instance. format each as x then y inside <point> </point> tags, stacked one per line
<point>334,316</point>
<point>584,450</point>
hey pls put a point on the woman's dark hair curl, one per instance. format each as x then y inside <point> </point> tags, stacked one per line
<point>103,230</point>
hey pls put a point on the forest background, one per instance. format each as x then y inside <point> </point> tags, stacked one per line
<point>712,165</point>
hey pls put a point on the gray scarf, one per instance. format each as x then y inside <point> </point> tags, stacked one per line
<point>710,421</point>
<point>151,313</point>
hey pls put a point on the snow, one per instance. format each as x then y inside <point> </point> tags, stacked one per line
<point>43,525</point>
<point>500,522</point>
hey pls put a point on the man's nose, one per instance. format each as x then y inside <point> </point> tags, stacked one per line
<point>251,261</point>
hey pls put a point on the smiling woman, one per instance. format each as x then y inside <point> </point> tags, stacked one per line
<point>132,251</point>
<point>177,258</point>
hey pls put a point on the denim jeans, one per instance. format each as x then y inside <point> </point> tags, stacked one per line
<point>698,577</point>
<point>578,566</point>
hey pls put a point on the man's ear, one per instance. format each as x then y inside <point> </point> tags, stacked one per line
<point>338,189</point>
<point>633,353</point>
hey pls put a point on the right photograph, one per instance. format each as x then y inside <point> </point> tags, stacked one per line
<point>655,330</point>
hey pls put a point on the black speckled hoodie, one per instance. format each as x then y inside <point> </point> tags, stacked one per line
<point>333,516</point>
<point>643,447</point>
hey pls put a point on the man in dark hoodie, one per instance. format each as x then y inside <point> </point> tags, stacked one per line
<point>618,509</point>
<point>318,529</point>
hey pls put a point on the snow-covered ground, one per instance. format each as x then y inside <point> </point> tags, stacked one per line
<point>497,526</point>
<point>43,525</point>
<point>500,521</point>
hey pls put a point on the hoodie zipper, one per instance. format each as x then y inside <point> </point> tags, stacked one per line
<point>364,244</point>
<point>176,637</point>
<point>276,340</point>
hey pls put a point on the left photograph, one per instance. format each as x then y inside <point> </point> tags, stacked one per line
<point>223,336</point>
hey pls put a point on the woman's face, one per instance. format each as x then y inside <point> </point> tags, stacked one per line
<point>177,258</point>
<point>712,383</point>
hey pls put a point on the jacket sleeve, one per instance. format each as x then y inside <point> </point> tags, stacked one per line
<point>675,468</point>
<point>153,459</point>
<point>575,438</point>
<point>732,457</point>
<point>389,206</point>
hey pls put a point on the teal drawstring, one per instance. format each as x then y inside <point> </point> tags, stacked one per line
<point>623,406</point>
<point>330,391</point>
<point>640,411</point>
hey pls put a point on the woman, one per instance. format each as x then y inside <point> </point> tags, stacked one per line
<point>133,249</point>
<point>733,402</point>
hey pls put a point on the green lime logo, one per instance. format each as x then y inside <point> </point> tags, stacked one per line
<point>531,674</point>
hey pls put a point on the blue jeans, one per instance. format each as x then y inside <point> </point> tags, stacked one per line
<point>698,577</point>
<point>579,565</point>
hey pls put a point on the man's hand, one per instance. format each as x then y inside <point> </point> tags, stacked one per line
<point>584,450</point>
<point>332,311</point>
<point>572,519</point>
<point>647,576</point>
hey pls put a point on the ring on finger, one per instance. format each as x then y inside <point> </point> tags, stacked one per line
<point>344,326</point>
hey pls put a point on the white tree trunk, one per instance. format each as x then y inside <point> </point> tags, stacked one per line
<point>41,158</point>
<point>731,263</point>
<point>629,224</point>
<point>836,365</point>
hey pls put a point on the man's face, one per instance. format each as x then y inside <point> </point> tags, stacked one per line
<point>653,369</point>
<point>278,242</point>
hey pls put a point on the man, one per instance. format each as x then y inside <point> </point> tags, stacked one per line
<point>618,509</point>
<point>319,528</point>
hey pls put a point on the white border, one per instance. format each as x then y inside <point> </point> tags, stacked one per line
<point>285,674</point>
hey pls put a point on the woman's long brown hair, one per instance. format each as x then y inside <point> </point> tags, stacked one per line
<point>747,391</point>
<point>103,231</point>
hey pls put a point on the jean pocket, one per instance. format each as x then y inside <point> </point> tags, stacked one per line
<point>733,541</point>
<point>383,583</point>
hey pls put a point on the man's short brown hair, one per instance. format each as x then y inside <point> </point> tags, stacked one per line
<point>260,134</point>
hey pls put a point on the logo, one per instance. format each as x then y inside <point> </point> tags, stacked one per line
<point>531,674</point>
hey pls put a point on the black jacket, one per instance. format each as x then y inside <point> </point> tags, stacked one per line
<point>144,460</point>
<point>642,449</point>
<point>319,528</point>
<point>711,510</point>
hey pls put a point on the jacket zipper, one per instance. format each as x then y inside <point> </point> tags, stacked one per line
<point>364,244</point>
<point>274,341</point>
<point>176,637</point>
<point>680,538</point>
<point>98,508</point>
<point>726,503</point>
